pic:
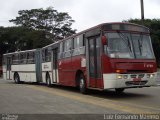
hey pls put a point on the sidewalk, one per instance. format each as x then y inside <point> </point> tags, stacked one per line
<point>158,77</point>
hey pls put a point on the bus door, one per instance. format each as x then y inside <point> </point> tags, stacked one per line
<point>55,65</point>
<point>38,60</point>
<point>94,61</point>
<point>8,75</point>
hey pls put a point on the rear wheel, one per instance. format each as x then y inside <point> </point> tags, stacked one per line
<point>48,80</point>
<point>119,90</point>
<point>82,84</point>
<point>16,78</point>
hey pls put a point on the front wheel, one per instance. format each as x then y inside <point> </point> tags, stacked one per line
<point>82,84</point>
<point>119,90</point>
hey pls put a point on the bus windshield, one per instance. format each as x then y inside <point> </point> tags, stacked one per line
<point>129,45</point>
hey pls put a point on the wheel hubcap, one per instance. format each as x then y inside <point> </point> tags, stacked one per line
<point>81,83</point>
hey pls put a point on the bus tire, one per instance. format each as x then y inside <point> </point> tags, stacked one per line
<point>16,78</point>
<point>48,80</point>
<point>119,90</point>
<point>82,84</point>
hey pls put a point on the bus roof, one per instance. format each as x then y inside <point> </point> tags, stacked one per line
<point>103,26</point>
<point>100,26</point>
<point>50,45</point>
<point>19,52</point>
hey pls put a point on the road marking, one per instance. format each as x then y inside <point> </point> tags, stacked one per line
<point>105,103</point>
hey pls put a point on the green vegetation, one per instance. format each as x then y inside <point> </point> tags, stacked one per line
<point>56,25</point>
<point>35,28</point>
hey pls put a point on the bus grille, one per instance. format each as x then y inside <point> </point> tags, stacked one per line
<point>129,83</point>
<point>137,76</point>
<point>133,76</point>
<point>141,76</point>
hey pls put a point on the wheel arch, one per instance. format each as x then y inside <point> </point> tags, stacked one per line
<point>17,78</point>
<point>15,73</point>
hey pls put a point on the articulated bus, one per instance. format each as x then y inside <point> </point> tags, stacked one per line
<point>108,56</point>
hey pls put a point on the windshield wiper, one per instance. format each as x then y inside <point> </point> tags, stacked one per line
<point>124,38</point>
<point>140,42</point>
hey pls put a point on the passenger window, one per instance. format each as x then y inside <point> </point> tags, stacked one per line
<point>47,55</point>
<point>15,59</point>
<point>43,55</point>
<point>68,45</point>
<point>61,47</point>
<point>30,57</point>
<point>78,41</point>
<point>23,58</point>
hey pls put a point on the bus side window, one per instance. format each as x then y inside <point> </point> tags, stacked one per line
<point>61,50</point>
<point>47,55</point>
<point>23,58</point>
<point>30,57</point>
<point>67,48</point>
<point>68,45</point>
<point>15,59</point>
<point>78,45</point>
<point>61,47</point>
<point>78,42</point>
<point>43,55</point>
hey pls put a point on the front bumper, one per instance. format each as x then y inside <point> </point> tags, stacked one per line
<point>112,81</point>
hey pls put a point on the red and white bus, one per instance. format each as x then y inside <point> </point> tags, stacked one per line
<point>108,56</point>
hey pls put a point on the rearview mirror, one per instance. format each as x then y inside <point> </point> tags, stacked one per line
<point>104,40</point>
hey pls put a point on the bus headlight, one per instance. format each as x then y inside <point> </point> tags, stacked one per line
<point>119,76</point>
<point>150,75</point>
<point>122,76</point>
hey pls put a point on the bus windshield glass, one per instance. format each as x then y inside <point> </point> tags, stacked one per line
<point>129,45</point>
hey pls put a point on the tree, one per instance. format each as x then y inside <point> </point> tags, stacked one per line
<point>154,26</point>
<point>14,38</point>
<point>56,25</point>
<point>35,28</point>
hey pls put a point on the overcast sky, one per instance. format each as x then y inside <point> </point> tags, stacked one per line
<point>86,13</point>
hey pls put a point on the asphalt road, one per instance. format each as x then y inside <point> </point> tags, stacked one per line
<point>39,99</point>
